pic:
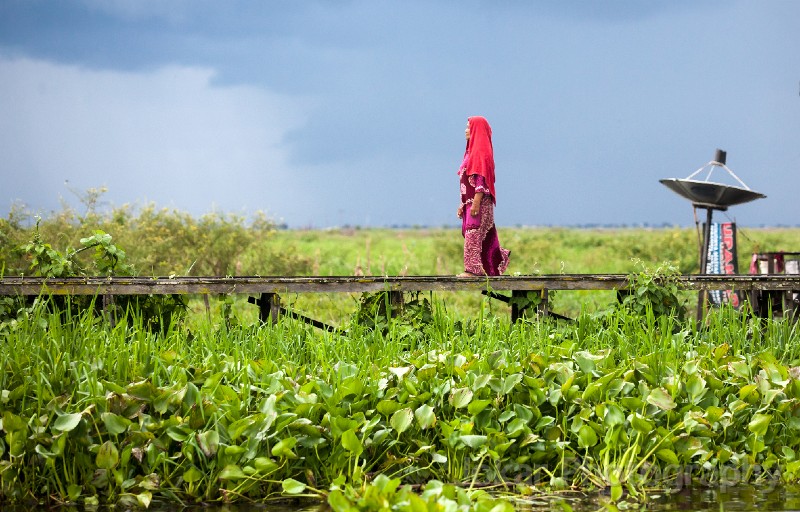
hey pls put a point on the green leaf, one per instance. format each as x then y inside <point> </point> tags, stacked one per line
<point>631,403</point>
<point>460,397</point>
<point>641,424</point>
<point>481,381</point>
<point>476,406</point>
<point>292,486</point>
<point>667,456</point>
<point>44,452</point>
<point>351,442</point>
<point>339,502</point>
<point>544,421</point>
<point>587,437</point>
<point>506,415</point>
<point>144,499</point>
<point>473,441</point>
<point>192,395</point>
<point>510,382</point>
<point>696,387</point>
<point>388,407</point>
<point>616,492</point>
<point>401,420</point>
<point>614,416</point>
<point>192,475</point>
<point>385,484</point>
<point>115,424</point>
<point>746,391</point>
<point>179,433</point>
<point>67,422</point>
<point>284,448</point>
<point>593,391</point>
<point>232,472</point>
<point>74,492</point>
<point>586,361</point>
<point>425,416</point>
<point>265,465</point>
<point>759,424</point>
<point>417,504</point>
<point>107,456</point>
<point>516,427</point>
<point>740,369</point>
<point>13,423</point>
<point>143,390</point>
<point>208,442</point>
<point>661,399</point>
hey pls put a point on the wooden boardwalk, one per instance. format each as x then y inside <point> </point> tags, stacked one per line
<point>267,288</point>
<point>334,284</point>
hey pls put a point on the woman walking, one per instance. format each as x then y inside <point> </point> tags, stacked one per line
<point>482,252</point>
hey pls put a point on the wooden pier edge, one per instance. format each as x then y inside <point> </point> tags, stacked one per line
<point>12,285</point>
<point>268,288</point>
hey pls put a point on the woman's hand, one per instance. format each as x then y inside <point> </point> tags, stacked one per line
<point>475,209</point>
<point>460,211</point>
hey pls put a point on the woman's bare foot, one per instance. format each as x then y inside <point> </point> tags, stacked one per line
<point>468,274</point>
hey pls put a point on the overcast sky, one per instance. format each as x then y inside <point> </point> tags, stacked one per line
<point>324,113</point>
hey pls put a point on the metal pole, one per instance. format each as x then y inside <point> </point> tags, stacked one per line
<point>701,295</point>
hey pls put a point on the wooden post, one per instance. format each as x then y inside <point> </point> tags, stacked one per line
<point>208,306</point>
<point>516,311</point>
<point>109,310</point>
<point>702,294</point>
<point>269,307</point>
<point>543,307</point>
<point>395,303</point>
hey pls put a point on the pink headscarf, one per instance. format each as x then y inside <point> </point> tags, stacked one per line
<point>480,153</point>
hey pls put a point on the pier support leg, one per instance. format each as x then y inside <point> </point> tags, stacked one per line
<point>109,310</point>
<point>516,311</point>
<point>395,303</point>
<point>207,304</point>
<point>543,308</point>
<point>269,307</point>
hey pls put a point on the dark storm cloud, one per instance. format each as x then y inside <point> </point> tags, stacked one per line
<point>591,102</point>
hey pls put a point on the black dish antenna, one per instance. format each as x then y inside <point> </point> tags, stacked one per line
<point>709,194</point>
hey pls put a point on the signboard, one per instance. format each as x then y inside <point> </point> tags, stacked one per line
<point>722,260</point>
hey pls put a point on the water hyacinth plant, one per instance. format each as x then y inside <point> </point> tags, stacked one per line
<point>465,411</point>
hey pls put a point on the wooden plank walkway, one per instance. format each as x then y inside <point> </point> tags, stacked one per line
<point>334,284</point>
<point>267,289</point>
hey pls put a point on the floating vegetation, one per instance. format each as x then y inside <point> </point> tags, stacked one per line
<point>95,414</point>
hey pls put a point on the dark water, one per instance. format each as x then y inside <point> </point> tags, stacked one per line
<point>696,498</point>
<point>732,498</point>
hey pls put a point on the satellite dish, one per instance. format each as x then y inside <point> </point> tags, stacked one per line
<point>710,194</point>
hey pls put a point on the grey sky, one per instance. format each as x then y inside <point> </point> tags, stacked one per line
<point>323,113</point>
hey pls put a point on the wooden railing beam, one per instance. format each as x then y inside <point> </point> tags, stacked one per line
<point>333,284</point>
